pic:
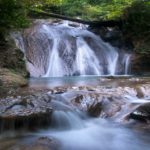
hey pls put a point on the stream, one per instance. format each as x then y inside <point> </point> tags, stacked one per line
<point>72,128</point>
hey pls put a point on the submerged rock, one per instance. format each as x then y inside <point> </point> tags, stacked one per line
<point>42,143</point>
<point>25,112</point>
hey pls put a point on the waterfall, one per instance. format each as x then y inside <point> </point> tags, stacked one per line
<point>127,62</point>
<point>86,60</point>
<point>63,49</point>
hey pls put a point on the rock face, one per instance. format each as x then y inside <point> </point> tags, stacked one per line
<point>140,64</point>
<point>12,66</point>
<point>11,57</point>
<point>25,112</point>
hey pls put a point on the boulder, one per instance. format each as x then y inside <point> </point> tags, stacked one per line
<point>95,109</point>
<point>142,113</point>
<point>25,112</point>
<point>98,104</point>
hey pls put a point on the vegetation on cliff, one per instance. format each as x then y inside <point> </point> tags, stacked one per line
<point>137,25</point>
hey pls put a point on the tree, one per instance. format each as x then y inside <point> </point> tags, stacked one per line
<point>12,14</point>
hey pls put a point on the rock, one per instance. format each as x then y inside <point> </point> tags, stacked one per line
<point>1,83</point>
<point>140,64</point>
<point>42,143</point>
<point>98,104</point>
<point>11,58</point>
<point>25,112</point>
<point>140,92</point>
<point>59,90</point>
<point>110,106</point>
<point>84,101</point>
<point>95,109</point>
<point>142,113</point>
<point>11,79</point>
<point>78,98</point>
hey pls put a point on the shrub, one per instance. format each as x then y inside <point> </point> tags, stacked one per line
<point>137,25</point>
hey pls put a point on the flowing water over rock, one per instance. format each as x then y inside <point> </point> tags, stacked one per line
<point>59,49</point>
<point>99,117</point>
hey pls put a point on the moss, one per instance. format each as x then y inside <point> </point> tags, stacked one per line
<point>10,78</point>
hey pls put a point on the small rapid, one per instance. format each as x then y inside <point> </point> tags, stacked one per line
<point>75,133</point>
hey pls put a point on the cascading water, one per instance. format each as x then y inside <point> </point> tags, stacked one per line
<point>59,49</point>
<point>86,60</point>
<point>127,62</point>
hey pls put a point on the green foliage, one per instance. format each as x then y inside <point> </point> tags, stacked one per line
<point>89,9</point>
<point>137,25</point>
<point>12,14</point>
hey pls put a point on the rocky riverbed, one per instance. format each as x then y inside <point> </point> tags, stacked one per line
<point>28,109</point>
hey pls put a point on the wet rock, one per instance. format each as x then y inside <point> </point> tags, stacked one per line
<point>98,104</point>
<point>140,92</point>
<point>59,90</point>
<point>25,112</point>
<point>42,143</point>
<point>145,91</point>
<point>142,113</point>
<point>78,98</point>
<point>85,100</point>
<point>95,109</point>
<point>110,106</point>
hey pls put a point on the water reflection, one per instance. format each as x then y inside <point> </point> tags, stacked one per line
<point>78,81</point>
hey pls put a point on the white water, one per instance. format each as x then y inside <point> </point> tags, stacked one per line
<point>127,63</point>
<point>75,133</point>
<point>86,60</point>
<point>112,56</point>
<point>63,50</point>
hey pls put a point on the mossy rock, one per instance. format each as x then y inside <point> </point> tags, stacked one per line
<point>9,78</point>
